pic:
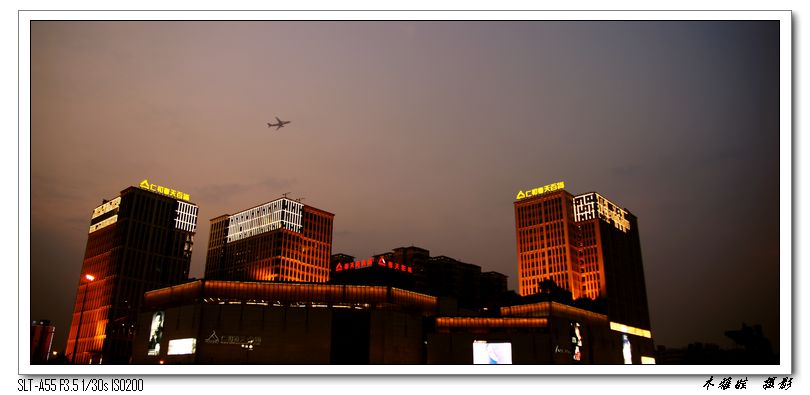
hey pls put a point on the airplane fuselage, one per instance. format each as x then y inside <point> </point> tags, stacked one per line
<point>278,125</point>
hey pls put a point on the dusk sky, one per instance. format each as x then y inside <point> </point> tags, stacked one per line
<point>422,133</point>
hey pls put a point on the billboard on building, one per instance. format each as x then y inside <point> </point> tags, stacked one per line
<point>156,333</point>
<point>626,351</point>
<point>576,341</point>
<point>182,346</point>
<point>486,353</point>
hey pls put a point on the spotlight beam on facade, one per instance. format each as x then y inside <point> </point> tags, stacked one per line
<point>89,279</point>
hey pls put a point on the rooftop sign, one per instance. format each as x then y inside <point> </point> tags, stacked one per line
<point>541,190</point>
<point>369,263</point>
<point>164,190</point>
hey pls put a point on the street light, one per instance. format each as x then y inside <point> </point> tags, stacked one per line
<point>89,279</point>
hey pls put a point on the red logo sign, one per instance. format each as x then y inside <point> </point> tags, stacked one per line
<point>368,263</point>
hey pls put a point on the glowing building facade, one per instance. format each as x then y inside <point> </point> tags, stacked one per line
<point>139,241</point>
<point>610,258</point>
<point>587,245</point>
<point>545,247</point>
<point>282,240</point>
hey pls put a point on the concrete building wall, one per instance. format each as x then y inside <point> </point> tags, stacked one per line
<point>396,338</point>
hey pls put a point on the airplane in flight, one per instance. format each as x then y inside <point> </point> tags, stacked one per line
<point>278,125</point>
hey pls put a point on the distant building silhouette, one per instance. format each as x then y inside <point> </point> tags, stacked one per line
<point>493,290</point>
<point>458,285</point>
<point>751,348</point>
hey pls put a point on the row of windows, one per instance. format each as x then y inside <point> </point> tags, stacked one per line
<point>186,217</point>
<point>300,271</point>
<point>94,312</point>
<point>550,235</point>
<point>218,233</point>
<point>580,208</point>
<point>284,266</point>
<point>99,294</point>
<point>542,270</point>
<point>101,241</point>
<point>530,260</point>
<point>540,212</point>
<point>281,213</point>
<point>318,226</point>
<point>591,277</point>
<point>278,245</point>
<point>147,207</point>
<point>155,268</point>
<point>591,285</point>
<point>89,348</point>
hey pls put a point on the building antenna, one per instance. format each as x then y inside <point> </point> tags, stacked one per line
<point>299,200</point>
<point>285,194</point>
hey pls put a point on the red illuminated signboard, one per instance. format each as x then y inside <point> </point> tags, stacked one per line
<point>369,262</point>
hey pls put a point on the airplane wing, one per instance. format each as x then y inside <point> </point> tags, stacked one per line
<point>279,126</point>
<point>278,120</point>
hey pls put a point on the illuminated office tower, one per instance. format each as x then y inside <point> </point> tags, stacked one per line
<point>139,241</point>
<point>282,240</point>
<point>610,258</point>
<point>587,244</point>
<point>544,218</point>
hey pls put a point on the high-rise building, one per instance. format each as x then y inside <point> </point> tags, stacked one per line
<point>139,241</point>
<point>610,258</point>
<point>545,240</point>
<point>282,240</point>
<point>587,245</point>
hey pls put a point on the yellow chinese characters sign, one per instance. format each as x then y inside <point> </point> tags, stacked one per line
<point>164,190</point>
<point>539,191</point>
